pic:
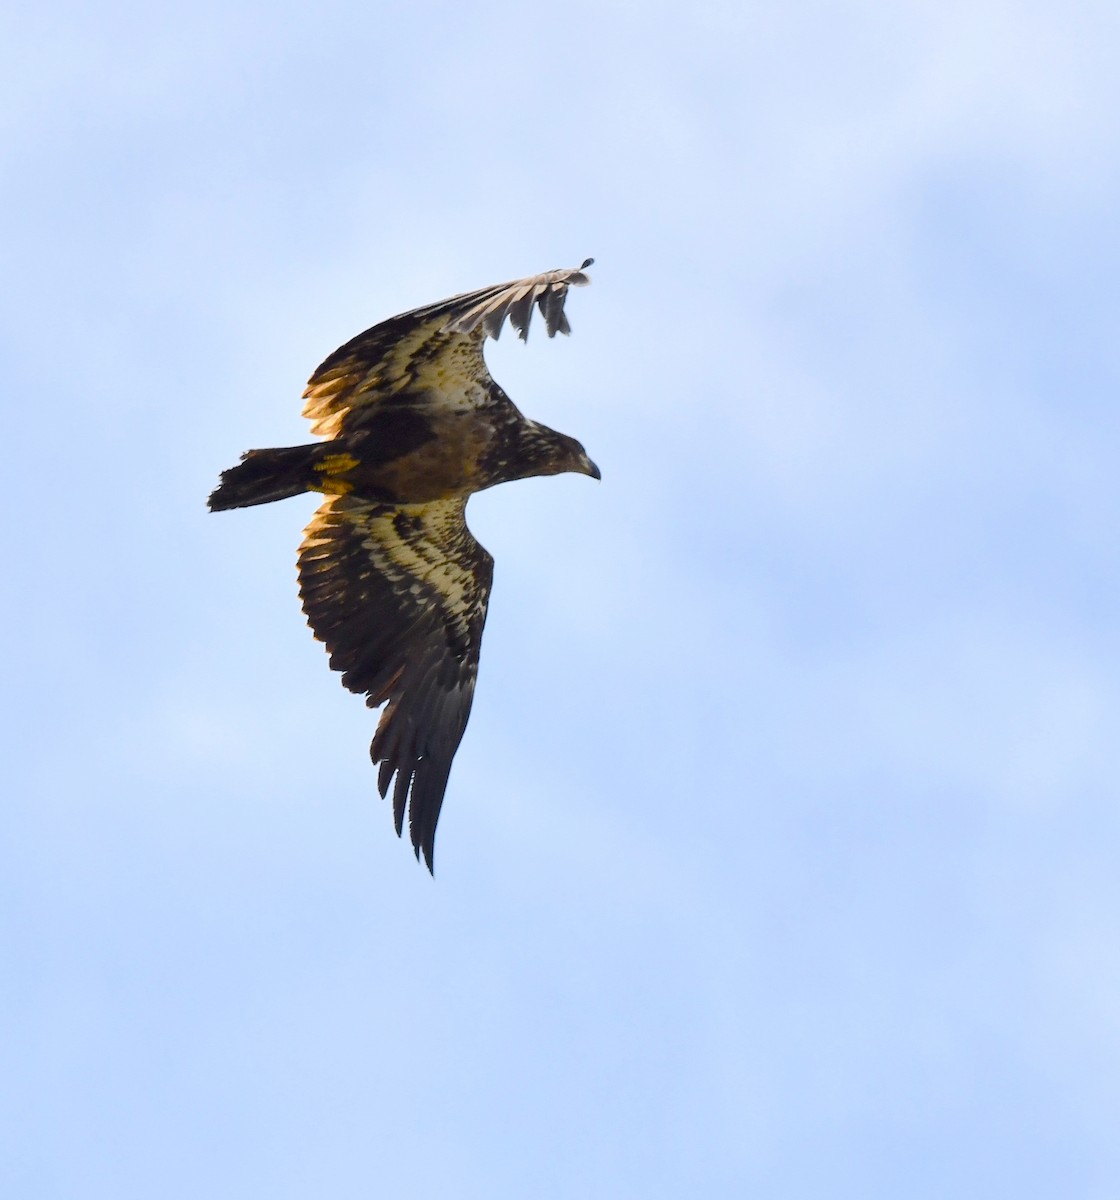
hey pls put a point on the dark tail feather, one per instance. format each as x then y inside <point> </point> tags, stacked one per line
<point>264,475</point>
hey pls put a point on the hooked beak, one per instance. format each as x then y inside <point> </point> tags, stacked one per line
<point>589,468</point>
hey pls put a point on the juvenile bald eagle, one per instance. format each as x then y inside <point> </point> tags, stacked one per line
<point>390,577</point>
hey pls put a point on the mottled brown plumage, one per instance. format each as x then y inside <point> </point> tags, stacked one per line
<point>390,576</point>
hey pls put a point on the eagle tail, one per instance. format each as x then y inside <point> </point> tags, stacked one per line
<point>265,475</point>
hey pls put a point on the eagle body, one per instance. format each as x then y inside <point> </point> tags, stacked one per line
<point>391,579</point>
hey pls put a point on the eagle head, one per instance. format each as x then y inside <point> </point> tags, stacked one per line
<point>544,451</point>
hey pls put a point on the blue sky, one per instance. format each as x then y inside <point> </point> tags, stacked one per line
<point>780,856</point>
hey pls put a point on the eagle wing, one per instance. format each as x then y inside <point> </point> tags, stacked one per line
<point>399,595</point>
<point>432,354</point>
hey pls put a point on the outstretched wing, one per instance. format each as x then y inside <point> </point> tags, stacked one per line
<point>399,594</point>
<point>432,354</point>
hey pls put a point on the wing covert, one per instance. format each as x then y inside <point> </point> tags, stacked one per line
<point>399,596</point>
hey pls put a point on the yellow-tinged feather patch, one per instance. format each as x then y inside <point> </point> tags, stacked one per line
<point>336,464</point>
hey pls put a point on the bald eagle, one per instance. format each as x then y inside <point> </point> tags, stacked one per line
<point>390,577</point>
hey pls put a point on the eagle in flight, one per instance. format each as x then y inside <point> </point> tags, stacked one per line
<point>390,577</point>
